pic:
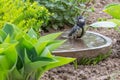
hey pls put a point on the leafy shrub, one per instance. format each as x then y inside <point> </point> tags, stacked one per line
<point>24,56</point>
<point>23,14</point>
<point>64,11</point>
<point>114,11</point>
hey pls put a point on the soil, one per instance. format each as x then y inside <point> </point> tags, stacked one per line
<point>108,69</point>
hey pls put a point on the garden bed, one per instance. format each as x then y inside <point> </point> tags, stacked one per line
<point>107,69</point>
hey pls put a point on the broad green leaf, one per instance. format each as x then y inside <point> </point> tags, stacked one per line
<point>106,24</point>
<point>3,35</point>
<point>1,40</point>
<point>110,5</point>
<point>20,60</point>
<point>8,57</point>
<point>116,21</point>
<point>40,46</point>
<point>59,62</point>
<point>11,55</point>
<point>113,10</point>
<point>31,52</point>
<point>11,29</point>
<point>4,64</point>
<point>19,35</point>
<point>33,66</point>
<point>16,75</point>
<point>33,40</point>
<point>8,28</point>
<point>55,44</point>
<point>7,39</point>
<point>1,50</point>
<point>30,49</point>
<point>27,60</point>
<point>49,37</point>
<point>32,33</point>
<point>2,75</point>
<point>46,53</point>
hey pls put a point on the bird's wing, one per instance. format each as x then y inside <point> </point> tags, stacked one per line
<point>73,30</point>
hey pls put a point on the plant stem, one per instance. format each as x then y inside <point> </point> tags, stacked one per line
<point>75,64</point>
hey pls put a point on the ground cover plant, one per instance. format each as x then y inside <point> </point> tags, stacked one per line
<point>24,14</point>
<point>23,56</point>
<point>64,12</point>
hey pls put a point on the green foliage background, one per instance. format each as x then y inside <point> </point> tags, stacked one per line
<point>23,14</point>
<point>64,11</point>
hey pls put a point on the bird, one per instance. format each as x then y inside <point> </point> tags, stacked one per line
<point>78,29</point>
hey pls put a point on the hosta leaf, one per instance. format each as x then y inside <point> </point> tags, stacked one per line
<point>33,66</point>
<point>33,40</point>
<point>21,52</point>
<point>3,35</point>
<point>40,46</point>
<point>30,49</point>
<point>113,10</point>
<point>46,53</point>
<point>8,28</point>
<point>4,64</point>
<point>1,50</point>
<point>11,29</point>
<point>106,24</point>
<point>8,58</point>
<point>110,5</point>
<point>49,37</point>
<point>116,21</point>
<point>7,39</point>
<point>19,35</point>
<point>16,75</point>
<point>27,60</point>
<point>59,62</point>
<point>32,33</point>
<point>11,55</point>
<point>2,75</point>
<point>55,44</point>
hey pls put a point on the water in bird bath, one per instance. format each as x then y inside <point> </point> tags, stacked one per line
<point>89,40</point>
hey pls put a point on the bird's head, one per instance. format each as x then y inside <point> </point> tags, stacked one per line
<point>80,21</point>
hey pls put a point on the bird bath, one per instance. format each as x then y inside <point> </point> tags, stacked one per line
<point>90,45</point>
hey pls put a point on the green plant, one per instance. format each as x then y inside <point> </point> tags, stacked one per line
<point>23,14</point>
<point>114,11</point>
<point>95,60</point>
<point>65,11</point>
<point>25,57</point>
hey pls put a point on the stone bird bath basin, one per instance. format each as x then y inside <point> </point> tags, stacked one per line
<point>91,45</point>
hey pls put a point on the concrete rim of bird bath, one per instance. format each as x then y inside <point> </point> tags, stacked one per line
<point>87,52</point>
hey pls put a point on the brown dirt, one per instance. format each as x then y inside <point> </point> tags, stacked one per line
<point>108,69</point>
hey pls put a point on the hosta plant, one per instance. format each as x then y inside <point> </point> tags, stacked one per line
<point>23,56</point>
<point>23,14</point>
<point>114,11</point>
